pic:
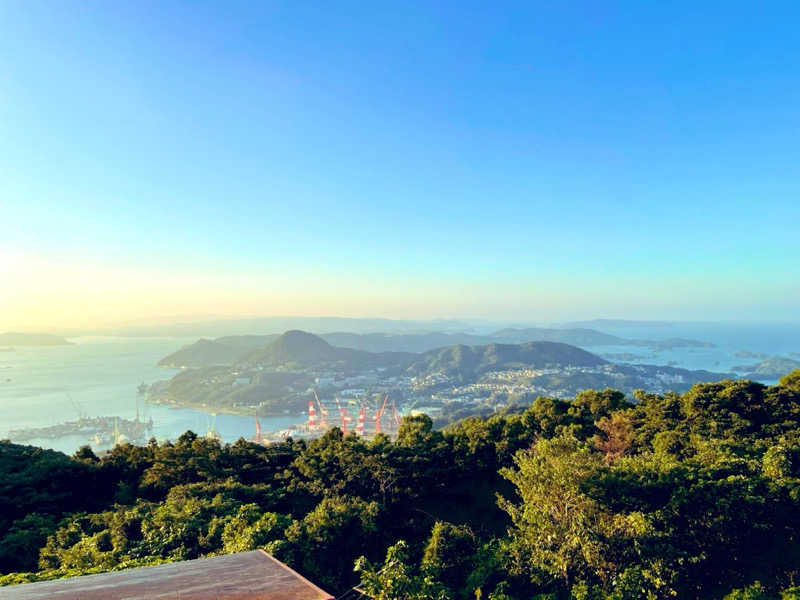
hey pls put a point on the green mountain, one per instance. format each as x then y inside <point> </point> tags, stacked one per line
<point>221,351</point>
<point>302,349</point>
<point>31,339</point>
<point>468,362</point>
<point>230,350</point>
<point>771,368</point>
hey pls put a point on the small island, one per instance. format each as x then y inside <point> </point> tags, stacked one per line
<point>11,339</point>
<point>771,368</point>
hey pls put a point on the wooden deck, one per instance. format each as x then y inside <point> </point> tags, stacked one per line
<point>245,576</point>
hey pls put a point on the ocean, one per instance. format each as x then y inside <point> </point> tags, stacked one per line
<point>98,376</point>
<point>729,339</point>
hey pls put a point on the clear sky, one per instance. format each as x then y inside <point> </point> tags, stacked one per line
<point>531,160</point>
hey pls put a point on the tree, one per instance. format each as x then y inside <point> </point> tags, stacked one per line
<point>751,592</point>
<point>396,579</point>
<point>449,556</point>
<point>325,542</point>
<point>85,453</point>
<point>791,381</point>
<point>558,530</point>
<point>251,529</point>
<point>615,438</point>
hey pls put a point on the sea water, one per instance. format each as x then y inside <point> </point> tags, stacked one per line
<point>730,339</point>
<point>98,376</point>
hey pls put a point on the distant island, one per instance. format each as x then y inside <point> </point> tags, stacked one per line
<point>618,323</point>
<point>623,356</point>
<point>770,368</point>
<point>671,344</point>
<point>32,339</point>
<point>269,375</point>
<point>748,354</point>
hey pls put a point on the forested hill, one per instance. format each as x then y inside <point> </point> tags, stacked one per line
<point>693,496</point>
<point>222,351</point>
<point>469,362</point>
<point>771,368</point>
<point>302,349</point>
<point>232,349</point>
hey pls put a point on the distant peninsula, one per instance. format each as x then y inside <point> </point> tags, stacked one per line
<point>770,368</point>
<point>229,350</point>
<point>274,375</point>
<point>11,338</point>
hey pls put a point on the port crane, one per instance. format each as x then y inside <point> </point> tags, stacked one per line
<point>76,405</point>
<point>211,432</point>
<point>379,415</point>
<point>258,430</point>
<point>312,416</point>
<point>343,414</point>
<point>362,415</point>
<point>323,412</point>
<point>386,416</point>
<point>396,415</point>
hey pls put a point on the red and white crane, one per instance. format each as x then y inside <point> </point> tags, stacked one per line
<point>312,416</point>
<point>362,415</point>
<point>379,415</point>
<point>396,420</point>
<point>323,412</point>
<point>343,414</point>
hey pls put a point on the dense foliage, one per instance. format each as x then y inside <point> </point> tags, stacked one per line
<point>676,496</point>
<point>262,392</point>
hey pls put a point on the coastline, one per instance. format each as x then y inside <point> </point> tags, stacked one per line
<point>205,408</point>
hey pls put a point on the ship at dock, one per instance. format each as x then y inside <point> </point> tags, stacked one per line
<point>106,431</point>
<point>100,431</point>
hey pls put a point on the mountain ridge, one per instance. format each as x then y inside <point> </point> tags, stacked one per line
<point>228,350</point>
<point>467,362</point>
<point>307,349</point>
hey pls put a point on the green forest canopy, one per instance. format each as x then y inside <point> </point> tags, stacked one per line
<point>676,496</point>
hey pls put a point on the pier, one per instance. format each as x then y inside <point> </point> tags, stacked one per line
<point>97,429</point>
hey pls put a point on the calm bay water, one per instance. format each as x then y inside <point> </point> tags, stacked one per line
<point>42,386</point>
<point>729,339</point>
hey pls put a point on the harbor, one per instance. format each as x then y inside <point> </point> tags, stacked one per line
<point>89,393</point>
<point>323,415</point>
<point>99,431</point>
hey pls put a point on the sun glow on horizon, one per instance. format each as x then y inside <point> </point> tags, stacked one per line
<point>42,292</point>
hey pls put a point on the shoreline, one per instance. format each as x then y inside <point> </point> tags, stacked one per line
<point>221,411</point>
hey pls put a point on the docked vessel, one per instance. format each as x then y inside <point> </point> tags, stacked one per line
<point>99,430</point>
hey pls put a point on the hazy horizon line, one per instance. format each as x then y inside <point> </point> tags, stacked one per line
<point>199,320</point>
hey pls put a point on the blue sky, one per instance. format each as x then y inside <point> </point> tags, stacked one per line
<point>505,160</point>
